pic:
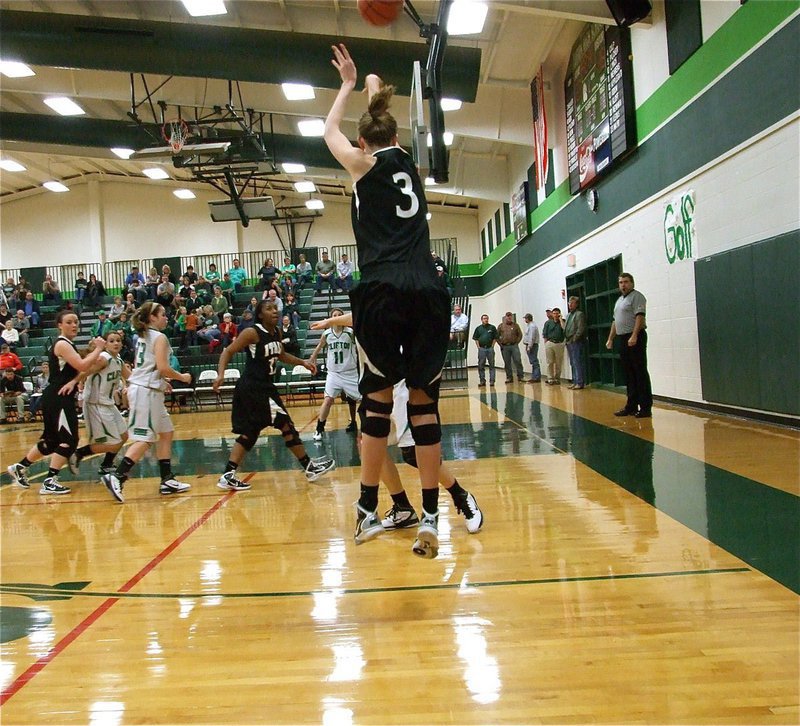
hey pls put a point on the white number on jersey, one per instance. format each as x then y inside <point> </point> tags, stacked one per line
<point>406,187</point>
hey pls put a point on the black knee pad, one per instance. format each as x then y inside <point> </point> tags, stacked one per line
<point>427,434</point>
<point>246,442</point>
<point>43,447</point>
<point>290,436</point>
<point>65,450</point>
<point>409,455</point>
<point>375,426</point>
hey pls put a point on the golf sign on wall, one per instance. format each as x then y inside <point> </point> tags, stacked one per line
<point>679,232</point>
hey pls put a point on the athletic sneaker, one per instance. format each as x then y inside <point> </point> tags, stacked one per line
<point>74,463</point>
<point>316,469</point>
<point>114,485</point>
<point>352,428</point>
<point>473,515</point>
<point>103,470</point>
<point>52,485</point>
<point>317,436</point>
<point>229,481</point>
<point>20,475</point>
<point>368,525</point>
<point>173,486</point>
<point>400,517</point>
<point>427,542</point>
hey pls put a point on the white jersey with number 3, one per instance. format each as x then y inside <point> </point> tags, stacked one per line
<point>146,372</point>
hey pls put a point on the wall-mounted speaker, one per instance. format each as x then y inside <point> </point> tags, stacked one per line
<point>628,12</point>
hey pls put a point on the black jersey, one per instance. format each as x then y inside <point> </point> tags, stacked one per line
<point>61,372</point>
<point>389,215</point>
<point>262,357</point>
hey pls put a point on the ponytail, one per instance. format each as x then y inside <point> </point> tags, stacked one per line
<point>377,126</point>
<point>140,320</point>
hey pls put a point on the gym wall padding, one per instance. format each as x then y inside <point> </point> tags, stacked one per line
<point>748,318</point>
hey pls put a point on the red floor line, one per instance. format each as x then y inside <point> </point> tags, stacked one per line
<point>26,676</point>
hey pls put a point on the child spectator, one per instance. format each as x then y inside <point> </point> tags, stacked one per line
<point>117,308</point>
<point>80,287</point>
<point>191,323</point>
<point>290,309</point>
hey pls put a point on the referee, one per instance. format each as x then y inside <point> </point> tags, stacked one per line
<point>629,326</point>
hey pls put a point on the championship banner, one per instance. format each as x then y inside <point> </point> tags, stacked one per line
<point>539,129</point>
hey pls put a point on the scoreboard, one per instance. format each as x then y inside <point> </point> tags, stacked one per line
<point>598,90</point>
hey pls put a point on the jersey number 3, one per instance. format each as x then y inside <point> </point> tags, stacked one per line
<point>404,181</point>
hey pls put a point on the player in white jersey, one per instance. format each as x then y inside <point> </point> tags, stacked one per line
<point>402,513</point>
<point>342,366</point>
<point>105,427</point>
<point>148,420</point>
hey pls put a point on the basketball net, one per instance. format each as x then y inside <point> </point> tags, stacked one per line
<point>175,134</point>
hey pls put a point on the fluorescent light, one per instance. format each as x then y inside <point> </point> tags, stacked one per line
<point>311,127</point>
<point>305,187</point>
<point>14,69</point>
<point>297,91</point>
<point>65,106</point>
<point>184,194</point>
<point>430,181</point>
<point>11,165</point>
<point>290,168</point>
<point>55,186</point>
<point>447,136</point>
<point>155,173</point>
<point>315,204</point>
<point>450,104</point>
<point>123,153</point>
<point>466,17</point>
<point>199,8</point>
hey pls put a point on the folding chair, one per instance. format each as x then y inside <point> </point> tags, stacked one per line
<point>231,377</point>
<point>203,393</point>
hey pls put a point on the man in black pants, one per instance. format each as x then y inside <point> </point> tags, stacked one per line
<point>629,325</point>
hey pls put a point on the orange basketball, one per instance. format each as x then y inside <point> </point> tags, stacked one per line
<point>380,12</point>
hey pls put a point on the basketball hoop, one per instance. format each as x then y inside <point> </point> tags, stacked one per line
<point>175,134</point>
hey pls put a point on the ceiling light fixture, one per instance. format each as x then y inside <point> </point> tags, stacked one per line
<point>447,136</point>
<point>450,104</point>
<point>123,153</point>
<point>155,173</point>
<point>311,127</point>
<point>200,8</point>
<point>55,186</point>
<point>297,91</point>
<point>290,168</point>
<point>315,204</point>
<point>466,17</point>
<point>305,187</point>
<point>65,106</point>
<point>11,165</point>
<point>184,194</point>
<point>15,69</point>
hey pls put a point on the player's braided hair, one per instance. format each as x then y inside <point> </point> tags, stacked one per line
<point>377,126</point>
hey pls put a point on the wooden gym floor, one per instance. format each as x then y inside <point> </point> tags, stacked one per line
<point>629,571</point>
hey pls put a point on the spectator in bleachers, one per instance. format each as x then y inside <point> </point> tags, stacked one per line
<point>288,275</point>
<point>51,292</point>
<point>40,381</point>
<point>459,323</point>
<point>180,328</point>
<point>152,281</point>
<point>165,293</point>
<point>212,276</point>
<point>289,336</point>
<point>22,325</point>
<point>31,309</point>
<point>80,286</point>
<point>165,270</point>
<point>134,274</point>
<point>9,290</point>
<point>101,326</point>
<point>304,272</point>
<point>204,289</point>
<point>438,261</point>
<point>290,309</point>
<point>272,296</point>
<point>344,274</point>
<point>238,275</point>
<point>116,309</point>
<point>12,392</point>
<point>10,335</point>
<point>119,324</point>
<point>208,331</point>
<point>139,293</point>
<point>227,287</point>
<point>219,303</point>
<point>228,329</point>
<point>21,290</point>
<point>252,305</point>
<point>190,274</point>
<point>325,273</point>
<point>9,359</point>
<point>94,291</point>
<point>191,323</point>
<point>246,321</point>
<point>130,304</point>
<point>441,274</point>
<point>267,273</point>
<point>5,314</point>
<point>193,302</point>
<point>185,288</point>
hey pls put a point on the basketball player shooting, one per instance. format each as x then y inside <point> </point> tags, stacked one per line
<point>390,226</point>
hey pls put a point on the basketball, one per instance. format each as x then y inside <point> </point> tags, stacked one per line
<point>380,12</point>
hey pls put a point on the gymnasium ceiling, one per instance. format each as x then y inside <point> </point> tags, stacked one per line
<point>496,67</point>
